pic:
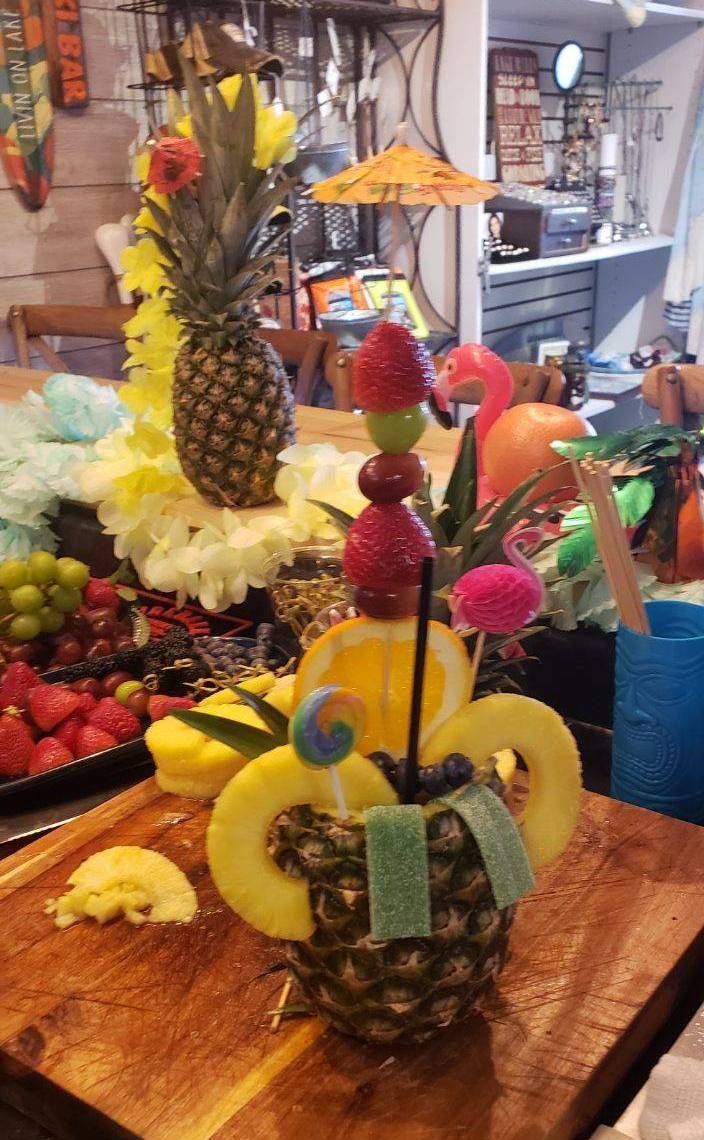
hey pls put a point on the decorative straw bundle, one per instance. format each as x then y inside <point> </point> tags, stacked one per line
<point>595,482</point>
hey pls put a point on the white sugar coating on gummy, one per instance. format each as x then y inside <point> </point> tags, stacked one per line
<point>142,885</point>
<point>491,825</point>
<point>397,868</point>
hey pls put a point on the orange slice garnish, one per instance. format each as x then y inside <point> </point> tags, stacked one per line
<point>375,660</point>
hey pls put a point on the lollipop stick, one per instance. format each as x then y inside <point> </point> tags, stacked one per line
<point>476,661</point>
<point>339,793</point>
<point>426,590</point>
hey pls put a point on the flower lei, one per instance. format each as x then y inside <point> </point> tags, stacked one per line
<point>135,477</point>
<point>43,439</point>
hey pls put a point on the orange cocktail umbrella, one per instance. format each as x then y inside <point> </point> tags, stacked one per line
<point>403,176</point>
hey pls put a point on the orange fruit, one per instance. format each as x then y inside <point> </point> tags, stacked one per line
<point>518,444</point>
<point>374,658</point>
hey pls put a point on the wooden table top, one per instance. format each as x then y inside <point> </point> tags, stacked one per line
<point>161,1032</point>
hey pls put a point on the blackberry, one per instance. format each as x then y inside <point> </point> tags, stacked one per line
<point>458,769</point>
<point>129,660</point>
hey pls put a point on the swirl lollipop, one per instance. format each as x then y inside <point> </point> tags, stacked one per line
<point>326,727</point>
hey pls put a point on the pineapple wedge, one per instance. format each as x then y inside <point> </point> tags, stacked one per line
<point>506,720</point>
<point>188,763</point>
<point>242,868</point>
<point>142,885</point>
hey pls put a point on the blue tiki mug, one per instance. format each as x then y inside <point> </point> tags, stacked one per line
<point>658,742</point>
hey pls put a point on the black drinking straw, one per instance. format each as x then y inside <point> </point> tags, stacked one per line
<point>426,591</point>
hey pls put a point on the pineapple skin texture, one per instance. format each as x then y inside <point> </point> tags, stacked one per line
<point>237,839</point>
<point>402,989</point>
<point>233,413</point>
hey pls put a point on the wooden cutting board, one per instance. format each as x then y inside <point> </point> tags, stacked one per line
<point>161,1033</point>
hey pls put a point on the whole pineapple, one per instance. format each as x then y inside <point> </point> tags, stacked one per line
<point>232,401</point>
<point>402,989</point>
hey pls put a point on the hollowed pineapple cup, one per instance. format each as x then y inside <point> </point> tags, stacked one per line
<point>401,989</point>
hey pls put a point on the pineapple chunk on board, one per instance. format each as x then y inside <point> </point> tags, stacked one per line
<point>142,885</point>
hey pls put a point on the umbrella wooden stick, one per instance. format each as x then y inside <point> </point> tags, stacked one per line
<point>396,221</point>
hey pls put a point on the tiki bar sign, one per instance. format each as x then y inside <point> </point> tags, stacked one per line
<point>66,53</point>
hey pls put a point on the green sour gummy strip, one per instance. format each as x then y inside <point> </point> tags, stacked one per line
<point>498,839</point>
<point>397,865</point>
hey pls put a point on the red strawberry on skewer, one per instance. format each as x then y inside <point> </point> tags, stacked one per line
<point>392,370</point>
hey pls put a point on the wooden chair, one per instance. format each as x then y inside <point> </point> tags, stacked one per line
<point>29,324</point>
<point>532,384</point>
<point>311,354</point>
<point>677,391</point>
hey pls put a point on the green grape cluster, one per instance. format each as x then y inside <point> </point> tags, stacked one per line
<point>36,595</point>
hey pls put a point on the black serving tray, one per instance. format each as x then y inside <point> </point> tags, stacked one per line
<point>121,756</point>
<point>133,752</point>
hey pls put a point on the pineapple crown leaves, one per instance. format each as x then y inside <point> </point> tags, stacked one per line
<point>216,253</point>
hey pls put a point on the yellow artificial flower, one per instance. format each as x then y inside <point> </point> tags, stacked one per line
<point>149,313</point>
<point>149,440</point>
<point>161,200</point>
<point>143,267</point>
<point>146,222</point>
<point>147,480</point>
<point>141,165</point>
<point>273,137</point>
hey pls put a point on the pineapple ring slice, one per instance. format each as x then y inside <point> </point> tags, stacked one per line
<point>242,868</point>
<point>142,885</point>
<point>506,720</point>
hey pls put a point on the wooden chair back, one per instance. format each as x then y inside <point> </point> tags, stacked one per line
<point>310,353</point>
<point>677,391</point>
<point>532,384</point>
<point>29,324</point>
<point>313,354</point>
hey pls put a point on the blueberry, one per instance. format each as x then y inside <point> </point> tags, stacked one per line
<point>386,764</point>
<point>432,780</point>
<point>457,769</point>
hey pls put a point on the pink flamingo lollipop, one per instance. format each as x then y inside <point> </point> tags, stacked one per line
<point>499,598</point>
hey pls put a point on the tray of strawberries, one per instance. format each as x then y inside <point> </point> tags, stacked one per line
<point>51,729</point>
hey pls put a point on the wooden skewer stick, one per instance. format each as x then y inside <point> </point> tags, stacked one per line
<point>281,1004</point>
<point>637,609</point>
<point>596,486</point>
<point>476,662</point>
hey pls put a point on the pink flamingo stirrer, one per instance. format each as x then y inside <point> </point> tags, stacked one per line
<point>499,598</point>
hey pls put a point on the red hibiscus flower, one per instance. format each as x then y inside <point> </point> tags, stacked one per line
<point>175,162</point>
